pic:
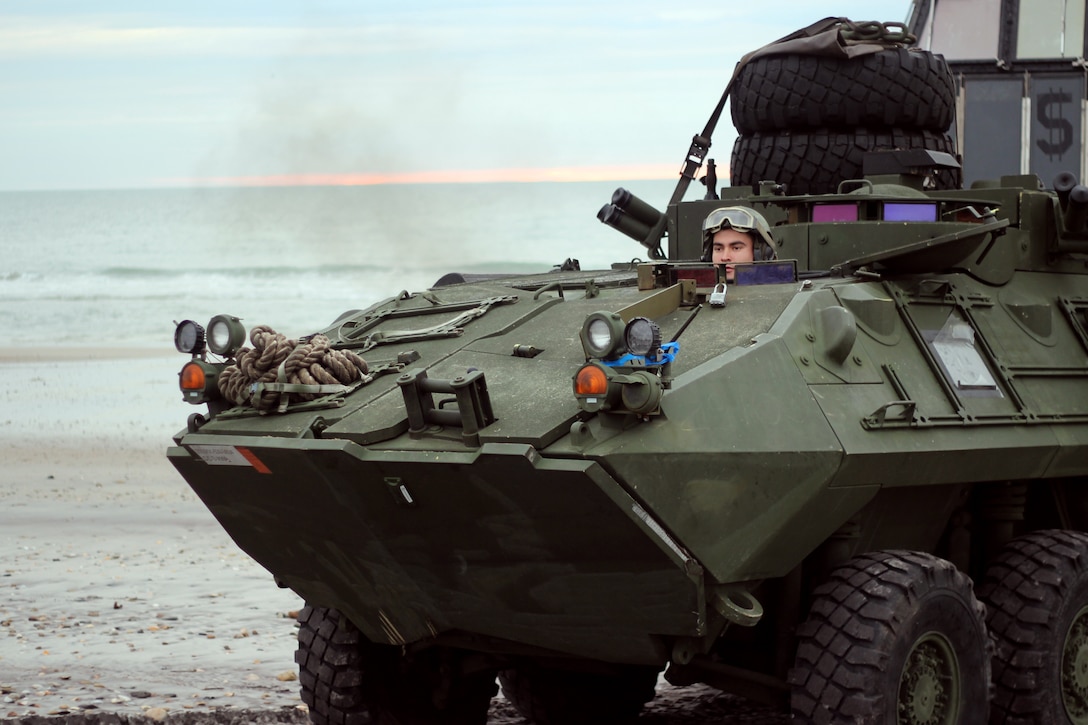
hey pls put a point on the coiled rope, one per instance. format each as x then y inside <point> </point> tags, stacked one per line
<point>277,366</point>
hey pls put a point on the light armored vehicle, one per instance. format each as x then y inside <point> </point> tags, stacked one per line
<point>852,481</point>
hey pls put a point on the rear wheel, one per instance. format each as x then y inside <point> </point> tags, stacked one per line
<point>896,638</point>
<point>348,680</point>
<point>1036,592</point>
<point>552,696</point>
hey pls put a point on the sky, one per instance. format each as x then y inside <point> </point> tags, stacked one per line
<point>134,94</point>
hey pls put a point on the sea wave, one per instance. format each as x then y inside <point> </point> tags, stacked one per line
<point>120,267</point>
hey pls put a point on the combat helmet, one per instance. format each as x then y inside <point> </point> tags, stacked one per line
<point>743,219</point>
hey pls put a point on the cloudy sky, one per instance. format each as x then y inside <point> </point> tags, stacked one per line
<point>130,94</point>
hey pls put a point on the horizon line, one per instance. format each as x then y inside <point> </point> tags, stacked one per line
<point>559,174</point>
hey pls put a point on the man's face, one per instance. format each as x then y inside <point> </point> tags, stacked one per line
<point>731,246</point>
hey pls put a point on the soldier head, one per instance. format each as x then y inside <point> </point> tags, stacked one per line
<point>734,235</point>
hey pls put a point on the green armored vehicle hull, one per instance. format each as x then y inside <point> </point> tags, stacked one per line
<point>852,482</point>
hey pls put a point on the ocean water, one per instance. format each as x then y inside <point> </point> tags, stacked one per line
<point>117,268</point>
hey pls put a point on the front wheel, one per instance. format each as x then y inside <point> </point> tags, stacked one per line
<point>893,638</point>
<point>1036,591</point>
<point>348,680</point>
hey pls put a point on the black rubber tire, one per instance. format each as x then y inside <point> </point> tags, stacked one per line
<point>549,696</point>
<point>330,668</point>
<point>892,88</point>
<point>1036,593</point>
<point>814,162</point>
<point>347,680</point>
<point>886,635</point>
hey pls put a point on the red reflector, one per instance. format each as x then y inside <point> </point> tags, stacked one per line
<point>250,456</point>
<point>702,277</point>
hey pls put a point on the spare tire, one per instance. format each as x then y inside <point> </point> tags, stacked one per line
<point>814,162</point>
<point>892,88</point>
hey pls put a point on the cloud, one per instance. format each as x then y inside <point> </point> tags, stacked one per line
<point>73,40</point>
<point>282,87</point>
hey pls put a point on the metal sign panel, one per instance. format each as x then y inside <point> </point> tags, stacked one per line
<point>1056,133</point>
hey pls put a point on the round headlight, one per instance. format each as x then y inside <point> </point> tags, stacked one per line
<point>225,335</point>
<point>189,337</point>
<point>642,336</point>
<point>602,335</point>
<point>599,334</point>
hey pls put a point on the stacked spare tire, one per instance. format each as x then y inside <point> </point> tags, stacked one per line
<point>806,117</point>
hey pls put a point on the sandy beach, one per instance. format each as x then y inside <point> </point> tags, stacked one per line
<point>119,592</point>
<point>121,598</point>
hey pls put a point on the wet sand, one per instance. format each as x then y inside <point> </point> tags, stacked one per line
<point>119,592</point>
<point>121,598</point>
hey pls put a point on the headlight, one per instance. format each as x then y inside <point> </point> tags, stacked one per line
<point>226,335</point>
<point>189,337</point>
<point>642,336</point>
<point>602,335</point>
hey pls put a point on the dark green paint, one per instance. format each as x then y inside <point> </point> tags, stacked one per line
<point>800,424</point>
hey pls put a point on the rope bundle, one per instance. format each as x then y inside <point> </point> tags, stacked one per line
<point>276,359</point>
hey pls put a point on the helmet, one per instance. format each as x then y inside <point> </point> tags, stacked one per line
<point>743,219</point>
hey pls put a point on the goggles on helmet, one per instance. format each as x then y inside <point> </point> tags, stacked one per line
<point>733,217</point>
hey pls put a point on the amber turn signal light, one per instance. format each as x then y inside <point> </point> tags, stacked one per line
<point>591,380</point>
<point>192,377</point>
<point>199,381</point>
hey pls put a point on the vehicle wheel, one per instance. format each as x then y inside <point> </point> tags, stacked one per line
<point>1036,592</point>
<point>347,680</point>
<point>892,88</point>
<point>815,162</point>
<point>893,637</point>
<point>550,696</point>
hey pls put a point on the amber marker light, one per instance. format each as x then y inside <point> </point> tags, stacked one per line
<point>192,377</point>
<point>591,380</point>
<point>593,387</point>
<point>198,381</point>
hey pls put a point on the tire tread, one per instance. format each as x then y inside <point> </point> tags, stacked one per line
<point>894,87</point>
<point>839,653</point>
<point>815,162</point>
<point>1023,587</point>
